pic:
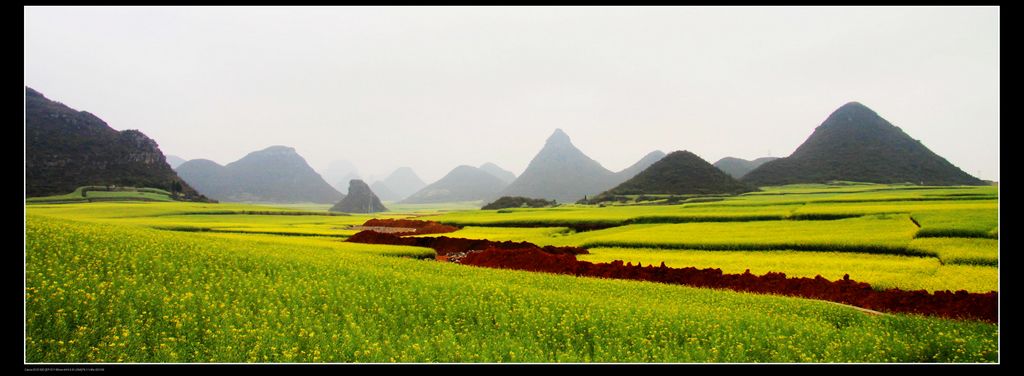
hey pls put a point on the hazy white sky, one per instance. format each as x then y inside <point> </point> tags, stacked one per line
<point>433,88</point>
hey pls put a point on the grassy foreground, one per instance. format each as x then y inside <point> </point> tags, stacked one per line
<point>120,293</point>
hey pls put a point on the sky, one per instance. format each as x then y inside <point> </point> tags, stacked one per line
<point>432,88</point>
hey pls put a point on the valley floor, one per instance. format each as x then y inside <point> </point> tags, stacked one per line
<point>191,282</point>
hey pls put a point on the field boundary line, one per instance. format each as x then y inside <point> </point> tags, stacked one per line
<point>897,251</point>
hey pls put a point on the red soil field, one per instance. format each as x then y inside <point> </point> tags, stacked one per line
<point>958,305</point>
<point>419,227</point>
<point>445,245</point>
<point>562,260</point>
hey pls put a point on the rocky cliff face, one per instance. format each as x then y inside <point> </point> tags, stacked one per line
<point>360,199</point>
<point>66,149</point>
<point>141,149</point>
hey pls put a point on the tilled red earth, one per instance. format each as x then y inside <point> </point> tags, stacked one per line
<point>446,246</point>
<point>419,227</point>
<point>958,305</point>
<point>562,260</point>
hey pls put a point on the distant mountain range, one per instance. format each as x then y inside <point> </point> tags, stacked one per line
<point>563,173</point>
<point>498,172</point>
<point>856,144</point>
<point>275,174</point>
<point>66,149</point>
<point>402,182</point>
<point>464,183</point>
<point>339,173</point>
<point>640,165</point>
<point>737,167</point>
<point>383,192</point>
<point>174,161</point>
<point>681,173</point>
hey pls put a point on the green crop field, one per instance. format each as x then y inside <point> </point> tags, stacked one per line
<point>775,204</point>
<point>395,207</point>
<point>876,234</point>
<point>879,233</point>
<point>881,267</point>
<point>98,193</point>
<point>99,293</point>
<point>612,215</point>
<point>302,206</point>
<point>881,271</point>
<point>982,223</point>
<point>537,235</point>
<point>968,251</point>
<point>118,210</point>
<point>196,282</point>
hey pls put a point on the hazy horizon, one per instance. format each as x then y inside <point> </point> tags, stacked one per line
<point>433,88</point>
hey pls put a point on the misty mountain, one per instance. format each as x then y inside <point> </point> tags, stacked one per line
<point>856,144</point>
<point>383,192</point>
<point>642,164</point>
<point>66,149</point>
<point>403,182</point>
<point>360,199</point>
<point>464,183</point>
<point>274,174</point>
<point>343,183</point>
<point>561,172</point>
<point>174,161</point>
<point>680,172</point>
<point>498,172</point>
<point>737,167</point>
<point>339,173</point>
<point>206,176</point>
